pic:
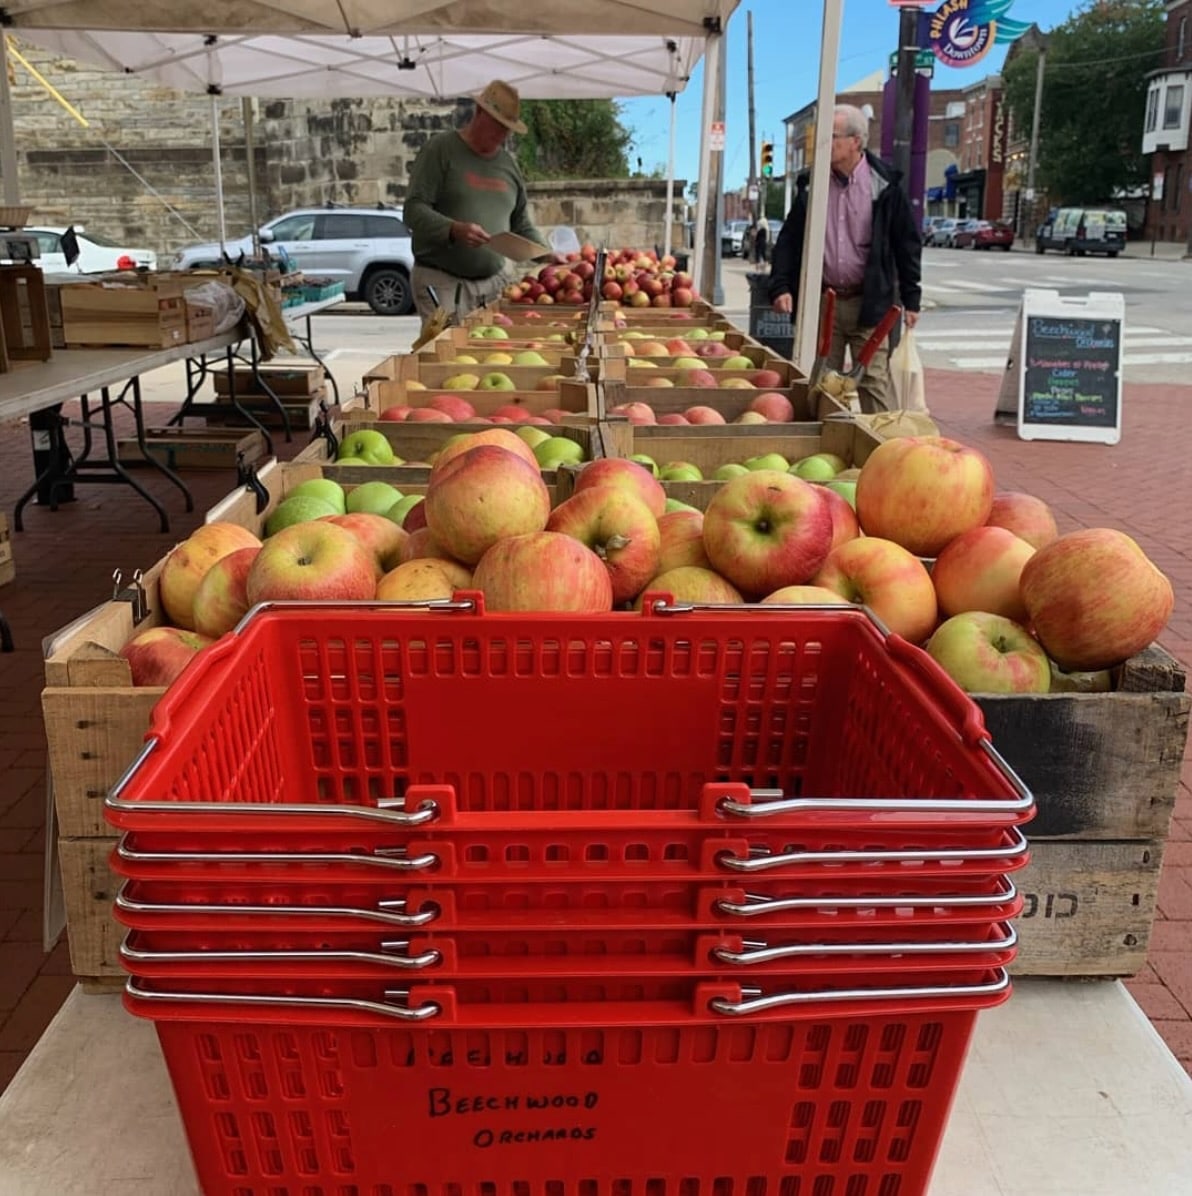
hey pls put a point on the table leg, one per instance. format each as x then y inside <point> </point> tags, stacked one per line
<point>243,411</point>
<point>134,384</point>
<point>265,388</point>
<point>309,343</point>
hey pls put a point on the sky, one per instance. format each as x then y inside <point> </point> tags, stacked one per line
<point>786,51</point>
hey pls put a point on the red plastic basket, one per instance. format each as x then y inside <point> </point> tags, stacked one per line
<point>317,716</point>
<point>320,1099</point>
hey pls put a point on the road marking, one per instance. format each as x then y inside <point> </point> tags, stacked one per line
<point>1129,359</point>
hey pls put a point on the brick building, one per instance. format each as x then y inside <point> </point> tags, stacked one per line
<point>982,151</point>
<point>1165,133</point>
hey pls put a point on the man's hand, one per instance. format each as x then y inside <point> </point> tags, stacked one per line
<point>911,318</point>
<point>784,304</point>
<point>470,235</point>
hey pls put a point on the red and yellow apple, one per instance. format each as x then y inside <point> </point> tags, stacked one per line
<point>1028,517</point>
<point>543,571</point>
<point>682,541</point>
<point>314,561</point>
<point>690,583</point>
<point>419,580</point>
<point>221,600</point>
<point>187,564</point>
<point>990,654</point>
<point>617,471</point>
<point>157,656</point>
<point>981,570</point>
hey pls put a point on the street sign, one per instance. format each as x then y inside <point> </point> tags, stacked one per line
<point>1157,187</point>
<point>753,193</point>
<point>716,136</point>
<point>924,62</point>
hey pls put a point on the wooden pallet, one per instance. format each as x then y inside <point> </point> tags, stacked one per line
<point>196,448</point>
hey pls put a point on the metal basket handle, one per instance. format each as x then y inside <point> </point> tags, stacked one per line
<point>399,1012</point>
<point>760,859</point>
<point>392,913</point>
<point>755,905</point>
<point>1023,804</point>
<point>754,1000</point>
<point>392,954</point>
<point>394,858</point>
<point>762,952</point>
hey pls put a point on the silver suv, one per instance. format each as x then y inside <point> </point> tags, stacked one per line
<point>367,249</point>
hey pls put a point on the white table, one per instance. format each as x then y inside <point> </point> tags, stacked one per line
<point>1068,1091</point>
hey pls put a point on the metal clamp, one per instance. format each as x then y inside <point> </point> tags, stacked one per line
<point>757,904</point>
<point>756,1001</point>
<point>395,858</point>
<point>133,594</point>
<point>392,954</point>
<point>400,1012</point>
<point>760,858</point>
<point>390,912</point>
<point>762,952</point>
<point>321,430</point>
<point>246,476</point>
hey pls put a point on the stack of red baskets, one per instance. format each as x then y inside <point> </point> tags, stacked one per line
<point>430,902</point>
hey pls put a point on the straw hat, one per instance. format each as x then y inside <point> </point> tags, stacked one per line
<point>501,101</point>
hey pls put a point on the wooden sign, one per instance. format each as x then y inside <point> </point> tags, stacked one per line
<point>1063,378</point>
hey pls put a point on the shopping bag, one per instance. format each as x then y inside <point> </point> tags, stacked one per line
<point>906,374</point>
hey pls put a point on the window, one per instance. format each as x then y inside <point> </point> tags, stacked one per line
<point>294,228</point>
<point>49,242</point>
<point>1182,40</point>
<point>1173,106</point>
<point>348,226</point>
<point>1179,183</point>
<point>384,226</point>
<point>1152,109</point>
<point>951,135</point>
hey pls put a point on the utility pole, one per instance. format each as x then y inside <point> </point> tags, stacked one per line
<point>753,190</point>
<point>9,178</point>
<point>904,96</point>
<point>1038,41</point>
<point>714,178</point>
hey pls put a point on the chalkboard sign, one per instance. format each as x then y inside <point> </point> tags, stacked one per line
<point>1066,366</point>
<point>773,329</point>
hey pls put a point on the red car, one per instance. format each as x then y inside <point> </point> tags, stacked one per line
<point>983,234</point>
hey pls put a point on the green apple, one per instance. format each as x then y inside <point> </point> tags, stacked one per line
<point>351,461</point>
<point>690,363</point>
<point>558,450</point>
<point>298,508</point>
<point>493,332</point>
<point>836,461</point>
<point>372,498</point>
<point>369,445</point>
<point>496,381</point>
<point>462,381</point>
<point>673,504</point>
<point>814,469</point>
<point>768,461</point>
<point>846,490</point>
<point>648,462</point>
<point>680,471</point>
<point>736,363</point>
<point>533,434</point>
<point>699,334</point>
<point>731,470</point>
<point>403,507</point>
<point>529,357</point>
<point>324,489</point>
<point>718,335</point>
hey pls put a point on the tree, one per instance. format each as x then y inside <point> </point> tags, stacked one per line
<point>573,139</point>
<point>1094,99</point>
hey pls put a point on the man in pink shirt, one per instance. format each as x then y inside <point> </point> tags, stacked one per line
<point>872,252</point>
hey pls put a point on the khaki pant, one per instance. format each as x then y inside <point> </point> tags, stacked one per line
<point>474,292</point>
<point>874,390</point>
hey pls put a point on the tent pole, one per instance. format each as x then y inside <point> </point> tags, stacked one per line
<point>217,162</point>
<point>705,270</point>
<point>250,158</point>
<point>811,280</point>
<point>8,138</point>
<point>670,181</point>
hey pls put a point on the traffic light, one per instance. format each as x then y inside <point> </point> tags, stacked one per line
<point>767,159</point>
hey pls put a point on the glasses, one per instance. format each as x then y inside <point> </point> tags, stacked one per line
<point>841,136</point>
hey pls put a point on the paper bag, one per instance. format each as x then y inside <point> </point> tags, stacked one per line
<point>906,374</point>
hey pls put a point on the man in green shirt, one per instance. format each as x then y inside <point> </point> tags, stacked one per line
<point>465,186</point>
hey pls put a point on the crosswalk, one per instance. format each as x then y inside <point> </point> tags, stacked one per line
<point>967,286</point>
<point>984,347</point>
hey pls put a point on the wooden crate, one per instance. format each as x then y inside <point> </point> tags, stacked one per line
<point>8,568</point>
<point>200,322</point>
<point>137,313</point>
<point>89,887</point>
<point>196,448</point>
<point>302,412</point>
<point>300,381</point>
<point>731,403</point>
<point>24,318</point>
<point>435,374</point>
<point>579,398</point>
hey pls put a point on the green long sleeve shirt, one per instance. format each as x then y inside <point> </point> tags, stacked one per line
<point>449,181</point>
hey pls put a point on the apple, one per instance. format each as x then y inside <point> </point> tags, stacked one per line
<point>619,528</point>
<point>751,417</point>
<point>187,564</point>
<point>377,533</point>
<point>672,419</point>
<point>640,414</point>
<point>777,408</point>
<point>888,579</point>
<point>454,406</point>
<point>774,461</point>
<point>558,450</point>
<point>458,445</point>
<point>367,445</point>
<point>682,296</point>
<point>550,382</point>
<point>542,571</point>
<point>690,583</point>
<point>736,384</point>
<point>533,436</point>
<point>646,462</point>
<point>498,358</point>
<point>415,517</point>
<point>681,541</point>
<point>641,364</point>
<point>846,489</point>
<point>638,476</point>
<point>990,654</point>
<point>421,545</point>
<point>803,596</point>
<point>1028,517</point>
<point>678,347</point>
<point>731,469</point>
<point>766,379</point>
<point>414,384</point>
<point>765,530</point>
<point>513,412</point>
<point>429,415</point>
<point>529,357</point>
<point>680,471</point>
<point>312,562</point>
<point>297,508</point>
<point>659,382</point>
<point>556,415</point>
<point>611,290</point>
<point>373,497</point>
<point>401,509</point>
<point>687,363</point>
<point>485,495</point>
<point>460,359</point>
<point>157,656</point>
<point>703,415</point>
<point>844,518</point>
<point>419,580</point>
<point>496,381</point>
<point>653,349</point>
<point>736,362</point>
<point>923,491</point>
<point>981,570</point>
<point>814,469</point>
<point>700,379</point>
<point>1095,599</point>
<point>221,600</point>
<point>395,414</point>
<point>326,490</point>
<point>714,349</point>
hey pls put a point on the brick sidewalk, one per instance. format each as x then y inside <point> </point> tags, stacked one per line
<point>65,561</point>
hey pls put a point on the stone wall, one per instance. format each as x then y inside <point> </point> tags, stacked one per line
<point>348,151</point>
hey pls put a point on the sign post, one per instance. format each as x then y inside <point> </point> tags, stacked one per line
<point>1063,378</point>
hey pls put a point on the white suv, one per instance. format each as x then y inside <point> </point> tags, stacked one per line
<point>367,249</point>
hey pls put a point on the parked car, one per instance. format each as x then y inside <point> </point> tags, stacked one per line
<point>929,224</point>
<point>732,238</point>
<point>942,232</point>
<point>367,249</point>
<point>983,234</point>
<point>97,254</point>
<point>1077,231</point>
